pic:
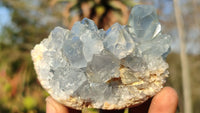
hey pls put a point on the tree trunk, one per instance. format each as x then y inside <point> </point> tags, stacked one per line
<point>184,61</point>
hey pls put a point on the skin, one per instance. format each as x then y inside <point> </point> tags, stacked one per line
<point>165,101</point>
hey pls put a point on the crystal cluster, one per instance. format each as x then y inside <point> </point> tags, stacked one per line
<point>113,69</point>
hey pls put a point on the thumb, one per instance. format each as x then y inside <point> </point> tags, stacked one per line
<point>54,107</point>
<point>165,101</point>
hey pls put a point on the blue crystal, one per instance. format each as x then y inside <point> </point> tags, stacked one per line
<point>105,68</point>
<point>143,22</point>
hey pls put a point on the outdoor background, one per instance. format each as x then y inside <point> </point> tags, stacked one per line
<point>24,23</point>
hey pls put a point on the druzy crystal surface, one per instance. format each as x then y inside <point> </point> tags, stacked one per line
<point>113,69</point>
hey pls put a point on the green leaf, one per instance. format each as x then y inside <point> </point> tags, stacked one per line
<point>7,87</point>
<point>129,3</point>
<point>29,103</point>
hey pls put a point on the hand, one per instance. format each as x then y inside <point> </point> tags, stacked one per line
<point>165,101</point>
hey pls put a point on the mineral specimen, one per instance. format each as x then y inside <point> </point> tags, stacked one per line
<point>113,69</point>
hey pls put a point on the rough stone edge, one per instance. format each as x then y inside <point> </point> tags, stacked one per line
<point>157,77</point>
<point>79,104</point>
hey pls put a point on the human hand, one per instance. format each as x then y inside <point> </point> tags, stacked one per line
<point>165,101</point>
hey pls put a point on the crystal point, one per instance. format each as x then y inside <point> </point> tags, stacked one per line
<point>118,41</point>
<point>143,21</point>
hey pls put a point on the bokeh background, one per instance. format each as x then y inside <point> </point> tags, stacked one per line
<point>24,23</point>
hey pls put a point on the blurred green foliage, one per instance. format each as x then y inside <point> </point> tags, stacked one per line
<point>29,102</point>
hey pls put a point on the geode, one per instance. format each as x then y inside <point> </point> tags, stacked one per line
<point>114,69</point>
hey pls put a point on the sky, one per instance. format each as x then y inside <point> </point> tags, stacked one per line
<point>4,17</point>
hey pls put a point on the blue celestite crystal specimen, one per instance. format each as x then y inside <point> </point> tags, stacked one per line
<point>113,69</point>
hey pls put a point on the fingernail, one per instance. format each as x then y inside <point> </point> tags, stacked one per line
<point>50,106</point>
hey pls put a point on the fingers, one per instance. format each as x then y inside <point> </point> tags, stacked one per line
<point>111,111</point>
<point>165,101</point>
<point>143,108</point>
<point>54,107</point>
